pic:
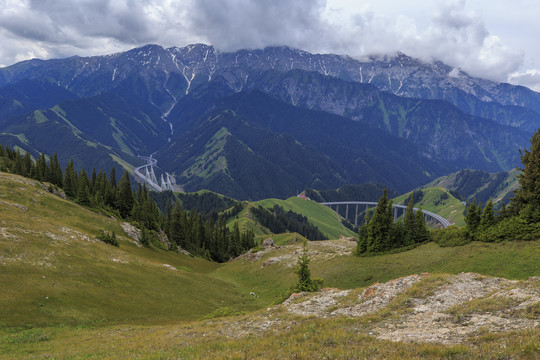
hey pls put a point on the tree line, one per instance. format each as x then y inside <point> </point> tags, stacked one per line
<point>519,220</point>
<point>379,233</point>
<point>277,220</point>
<point>190,230</point>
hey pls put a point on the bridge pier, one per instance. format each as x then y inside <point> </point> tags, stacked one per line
<point>356,216</point>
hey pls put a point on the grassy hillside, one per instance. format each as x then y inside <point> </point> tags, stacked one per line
<point>321,216</point>
<point>269,333</point>
<point>439,201</point>
<point>54,271</point>
<point>246,222</point>
<point>67,294</point>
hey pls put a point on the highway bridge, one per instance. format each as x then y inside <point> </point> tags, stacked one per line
<point>368,204</point>
<point>147,175</point>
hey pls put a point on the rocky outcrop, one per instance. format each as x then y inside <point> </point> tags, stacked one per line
<point>457,307</point>
<point>268,243</point>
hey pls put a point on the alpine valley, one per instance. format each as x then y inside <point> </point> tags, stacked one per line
<point>254,124</point>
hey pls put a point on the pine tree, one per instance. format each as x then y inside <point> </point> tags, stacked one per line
<point>28,164</point>
<point>93,182</point>
<point>361,246</point>
<point>526,201</point>
<point>473,216</point>
<point>236,246</point>
<point>176,230</point>
<point>112,178</point>
<point>70,181</point>
<point>125,200</point>
<point>503,212</point>
<point>83,194</point>
<point>378,239</point>
<point>54,173</point>
<point>18,165</point>
<point>488,216</point>
<point>305,283</point>
<point>410,223</point>
<point>421,231</point>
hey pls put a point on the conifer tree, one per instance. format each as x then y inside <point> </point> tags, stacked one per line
<point>503,212</point>
<point>488,216</point>
<point>28,164</point>
<point>125,198</point>
<point>176,226</point>
<point>236,246</point>
<point>526,199</point>
<point>361,245</point>
<point>18,165</point>
<point>112,178</point>
<point>83,194</point>
<point>305,283</point>
<point>70,181</point>
<point>473,217</point>
<point>93,182</point>
<point>54,174</point>
<point>421,232</point>
<point>410,223</point>
<point>378,229</point>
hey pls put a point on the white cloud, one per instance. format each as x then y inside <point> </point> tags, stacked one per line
<point>529,78</point>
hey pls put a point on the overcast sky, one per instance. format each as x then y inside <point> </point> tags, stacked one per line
<point>494,39</point>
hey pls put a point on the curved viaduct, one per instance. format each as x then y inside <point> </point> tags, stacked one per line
<point>444,223</point>
<point>149,176</point>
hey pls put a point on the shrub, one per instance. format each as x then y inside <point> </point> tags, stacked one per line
<point>145,238</point>
<point>513,228</point>
<point>451,236</point>
<point>108,238</point>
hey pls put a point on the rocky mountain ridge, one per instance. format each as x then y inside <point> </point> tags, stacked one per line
<point>175,71</point>
<point>106,110</point>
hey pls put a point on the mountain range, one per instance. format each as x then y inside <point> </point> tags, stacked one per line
<point>266,123</point>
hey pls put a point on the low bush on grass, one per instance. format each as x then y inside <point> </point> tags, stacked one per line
<point>451,236</point>
<point>108,238</point>
<point>513,228</point>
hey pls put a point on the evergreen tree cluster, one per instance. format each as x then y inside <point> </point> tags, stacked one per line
<point>42,170</point>
<point>478,219</point>
<point>277,220</point>
<point>206,236</point>
<point>519,221</point>
<point>193,233</point>
<point>379,233</point>
<point>208,204</point>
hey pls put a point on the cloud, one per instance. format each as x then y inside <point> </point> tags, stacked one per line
<point>58,28</point>
<point>462,40</point>
<point>236,24</point>
<point>528,78</point>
